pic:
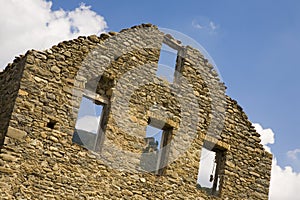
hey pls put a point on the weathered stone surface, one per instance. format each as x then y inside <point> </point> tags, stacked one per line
<point>23,93</point>
<point>55,69</point>
<point>16,133</point>
<point>8,157</point>
<point>6,170</point>
<point>94,38</point>
<point>40,98</point>
<point>143,180</point>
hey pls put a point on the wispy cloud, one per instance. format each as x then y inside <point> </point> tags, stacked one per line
<point>205,24</point>
<point>197,25</point>
<point>32,24</point>
<point>293,154</point>
<point>212,25</point>
<point>294,157</point>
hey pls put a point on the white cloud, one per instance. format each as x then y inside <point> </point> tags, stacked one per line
<point>285,183</point>
<point>266,136</point>
<point>32,24</point>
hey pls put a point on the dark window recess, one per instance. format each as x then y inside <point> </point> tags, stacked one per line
<point>51,124</point>
<point>211,168</point>
<point>155,152</point>
<point>87,131</point>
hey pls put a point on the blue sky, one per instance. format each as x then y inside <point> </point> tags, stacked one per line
<point>255,45</point>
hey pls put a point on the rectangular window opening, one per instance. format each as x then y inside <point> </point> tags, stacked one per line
<point>155,152</point>
<point>88,124</point>
<point>211,163</point>
<point>167,63</point>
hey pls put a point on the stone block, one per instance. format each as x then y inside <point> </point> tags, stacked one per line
<point>16,133</point>
<point>8,157</point>
<point>6,170</point>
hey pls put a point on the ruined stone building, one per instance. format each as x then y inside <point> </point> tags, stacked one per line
<point>47,154</point>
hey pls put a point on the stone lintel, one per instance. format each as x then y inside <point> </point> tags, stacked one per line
<point>93,96</point>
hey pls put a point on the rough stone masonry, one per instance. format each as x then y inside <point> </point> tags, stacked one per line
<point>43,155</point>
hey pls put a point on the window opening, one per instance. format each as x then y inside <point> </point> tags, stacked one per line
<point>51,124</point>
<point>87,128</point>
<point>167,63</point>
<point>155,133</point>
<point>155,152</point>
<point>209,171</point>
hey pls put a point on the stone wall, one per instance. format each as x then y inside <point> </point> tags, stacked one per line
<point>9,87</point>
<point>40,161</point>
